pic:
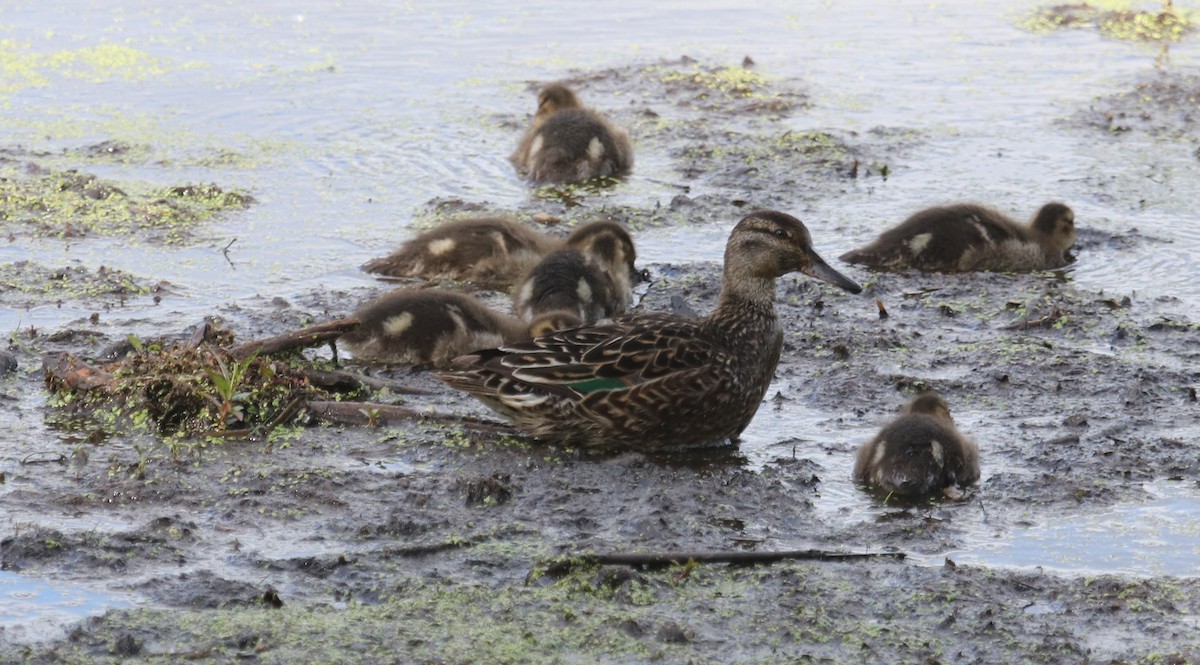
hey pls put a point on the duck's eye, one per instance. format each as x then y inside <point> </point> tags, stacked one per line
<point>780,233</point>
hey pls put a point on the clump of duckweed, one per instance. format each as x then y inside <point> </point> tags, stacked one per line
<point>715,87</point>
<point>70,204</point>
<point>25,284</point>
<point>1116,20</point>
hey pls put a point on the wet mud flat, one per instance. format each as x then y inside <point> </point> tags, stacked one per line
<point>430,544</point>
<point>409,542</point>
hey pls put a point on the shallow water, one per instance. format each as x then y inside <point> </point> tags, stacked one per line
<point>343,121</point>
<point>32,609</point>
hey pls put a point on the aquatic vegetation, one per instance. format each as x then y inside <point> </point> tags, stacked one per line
<point>70,204</point>
<point>1116,20</point>
<point>25,283</point>
<point>185,390</point>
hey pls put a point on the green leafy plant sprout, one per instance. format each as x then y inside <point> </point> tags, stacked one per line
<point>227,380</point>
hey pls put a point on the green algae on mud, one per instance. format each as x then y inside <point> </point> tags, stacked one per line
<point>701,614</point>
<point>1116,19</point>
<point>25,284</point>
<point>71,204</point>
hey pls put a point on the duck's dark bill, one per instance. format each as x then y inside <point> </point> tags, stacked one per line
<point>823,272</point>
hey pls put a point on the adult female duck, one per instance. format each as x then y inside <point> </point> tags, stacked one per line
<point>648,382</point>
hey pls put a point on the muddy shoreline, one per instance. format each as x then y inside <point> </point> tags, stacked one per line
<point>419,543</point>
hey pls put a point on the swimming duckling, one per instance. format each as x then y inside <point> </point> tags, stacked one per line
<point>490,251</point>
<point>568,142</point>
<point>968,237</point>
<point>428,327</point>
<point>919,454</point>
<point>653,381</point>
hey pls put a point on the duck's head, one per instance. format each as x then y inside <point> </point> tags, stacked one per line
<point>767,244</point>
<point>930,403</point>
<point>552,99</point>
<point>553,321</point>
<point>609,243</point>
<point>1055,223</point>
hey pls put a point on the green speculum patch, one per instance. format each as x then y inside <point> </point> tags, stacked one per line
<point>71,204</point>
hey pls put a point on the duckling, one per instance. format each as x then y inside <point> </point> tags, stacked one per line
<point>572,281</point>
<point>919,454</point>
<point>968,237</point>
<point>428,327</point>
<point>489,251</point>
<point>591,277</point>
<point>654,381</point>
<point>569,143</point>
<point>610,244</point>
<point>553,321</point>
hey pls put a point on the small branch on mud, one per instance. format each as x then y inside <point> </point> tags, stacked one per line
<point>662,559</point>
<point>344,381</point>
<point>305,337</point>
<point>225,249</point>
<point>44,458</point>
<point>374,415</point>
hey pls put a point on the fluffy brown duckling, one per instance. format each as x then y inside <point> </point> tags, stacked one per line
<point>569,143</point>
<point>591,277</point>
<point>968,237</point>
<point>553,321</point>
<point>429,327</point>
<point>490,251</point>
<point>919,454</point>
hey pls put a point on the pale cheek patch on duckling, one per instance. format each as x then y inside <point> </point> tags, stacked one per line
<point>935,449</point>
<point>441,246</point>
<point>584,291</point>
<point>398,325</point>
<point>536,147</point>
<point>595,149</point>
<point>919,242</point>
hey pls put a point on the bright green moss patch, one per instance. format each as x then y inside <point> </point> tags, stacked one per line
<point>71,204</point>
<point>1116,20</point>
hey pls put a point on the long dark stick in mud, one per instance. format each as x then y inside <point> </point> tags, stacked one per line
<point>662,559</point>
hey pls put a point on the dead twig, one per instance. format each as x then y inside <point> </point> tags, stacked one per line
<point>662,559</point>
<point>305,337</point>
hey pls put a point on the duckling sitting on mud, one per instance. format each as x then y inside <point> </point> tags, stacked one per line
<point>491,252</point>
<point>591,278</point>
<point>967,237</point>
<point>919,454</point>
<point>569,143</point>
<point>430,327</point>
